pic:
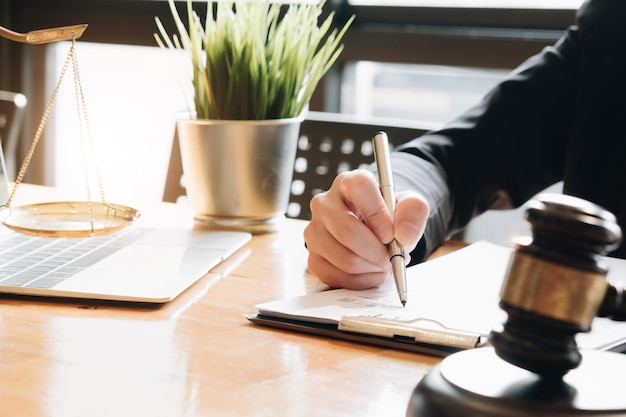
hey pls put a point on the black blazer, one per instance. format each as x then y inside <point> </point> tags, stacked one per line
<point>559,116</point>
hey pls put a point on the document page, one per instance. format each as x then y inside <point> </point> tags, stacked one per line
<point>459,291</point>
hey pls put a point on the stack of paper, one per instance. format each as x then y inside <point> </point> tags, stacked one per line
<point>455,297</point>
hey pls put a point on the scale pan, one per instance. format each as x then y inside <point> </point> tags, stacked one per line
<point>69,218</point>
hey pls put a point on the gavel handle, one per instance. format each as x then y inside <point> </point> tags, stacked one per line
<point>614,304</point>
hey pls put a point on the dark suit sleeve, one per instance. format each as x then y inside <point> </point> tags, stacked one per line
<point>499,153</point>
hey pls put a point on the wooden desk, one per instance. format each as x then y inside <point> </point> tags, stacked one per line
<point>198,355</point>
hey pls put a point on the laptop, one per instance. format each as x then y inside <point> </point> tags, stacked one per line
<point>139,263</point>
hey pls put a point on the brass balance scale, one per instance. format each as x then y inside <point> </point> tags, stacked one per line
<point>64,218</point>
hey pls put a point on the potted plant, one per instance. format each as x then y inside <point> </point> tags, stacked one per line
<point>254,68</point>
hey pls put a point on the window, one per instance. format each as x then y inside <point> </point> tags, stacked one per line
<point>429,93</point>
<point>132,95</point>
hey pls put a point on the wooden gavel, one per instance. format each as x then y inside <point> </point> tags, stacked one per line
<point>556,285</point>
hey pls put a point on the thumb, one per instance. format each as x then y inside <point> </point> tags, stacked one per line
<point>410,219</point>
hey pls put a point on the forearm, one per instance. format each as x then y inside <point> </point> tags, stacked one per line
<point>499,153</point>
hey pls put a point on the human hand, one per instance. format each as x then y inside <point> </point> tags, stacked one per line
<point>351,226</point>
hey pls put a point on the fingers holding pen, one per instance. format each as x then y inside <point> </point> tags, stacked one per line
<point>411,211</point>
<point>351,248</point>
<point>343,251</point>
<point>351,226</point>
<point>362,194</point>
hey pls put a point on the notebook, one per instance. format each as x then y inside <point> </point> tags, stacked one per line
<point>452,305</point>
<point>141,263</point>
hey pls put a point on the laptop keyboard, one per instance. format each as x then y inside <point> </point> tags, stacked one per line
<point>40,262</point>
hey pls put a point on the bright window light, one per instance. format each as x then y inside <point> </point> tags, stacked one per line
<point>132,94</point>
<point>426,93</point>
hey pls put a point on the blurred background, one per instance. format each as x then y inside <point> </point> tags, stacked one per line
<point>417,60</point>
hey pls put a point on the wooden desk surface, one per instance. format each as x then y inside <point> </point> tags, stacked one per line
<point>198,355</point>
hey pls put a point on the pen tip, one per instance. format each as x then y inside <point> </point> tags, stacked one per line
<point>403,303</point>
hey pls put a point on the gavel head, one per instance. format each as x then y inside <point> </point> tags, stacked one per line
<point>555,284</point>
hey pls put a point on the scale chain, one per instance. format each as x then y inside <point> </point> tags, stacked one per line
<point>83,123</point>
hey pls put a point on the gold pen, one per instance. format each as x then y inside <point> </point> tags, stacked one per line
<point>385,180</point>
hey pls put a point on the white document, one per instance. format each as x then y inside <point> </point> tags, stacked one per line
<point>458,292</point>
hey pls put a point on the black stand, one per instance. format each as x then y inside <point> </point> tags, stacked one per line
<point>477,382</point>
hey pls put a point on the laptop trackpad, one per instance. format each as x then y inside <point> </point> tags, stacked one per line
<point>193,238</point>
<point>159,261</point>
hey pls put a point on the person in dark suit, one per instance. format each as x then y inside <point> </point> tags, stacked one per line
<point>560,116</point>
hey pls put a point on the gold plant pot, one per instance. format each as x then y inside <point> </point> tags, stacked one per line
<point>238,173</point>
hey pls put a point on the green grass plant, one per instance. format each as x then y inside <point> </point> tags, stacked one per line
<point>255,60</point>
